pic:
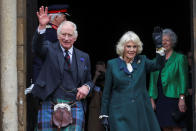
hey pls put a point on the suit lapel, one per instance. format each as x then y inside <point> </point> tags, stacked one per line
<point>122,65</point>
<point>60,59</point>
<point>80,63</point>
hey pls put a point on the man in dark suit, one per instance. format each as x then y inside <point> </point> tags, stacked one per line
<point>58,13</point>
<point>65,76</point>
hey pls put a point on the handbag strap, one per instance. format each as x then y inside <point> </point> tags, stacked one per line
<point>55,102</point>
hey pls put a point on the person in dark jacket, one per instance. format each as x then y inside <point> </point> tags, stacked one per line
<point>94,123</point>
<point>65,77</point>
<point>58,13</point>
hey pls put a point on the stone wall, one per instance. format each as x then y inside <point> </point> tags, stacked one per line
<point>21,63</point>
<point>9,87</point>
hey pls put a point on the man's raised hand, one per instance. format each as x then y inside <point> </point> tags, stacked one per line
<point>43,17</point>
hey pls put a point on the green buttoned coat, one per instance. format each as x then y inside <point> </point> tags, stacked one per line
<point>174,77</point>
<point>125,98</point>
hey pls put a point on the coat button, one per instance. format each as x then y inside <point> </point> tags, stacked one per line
<point>132,100</point>
<point>129,75</point>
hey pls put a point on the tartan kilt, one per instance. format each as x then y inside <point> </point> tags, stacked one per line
<point>45,117</point>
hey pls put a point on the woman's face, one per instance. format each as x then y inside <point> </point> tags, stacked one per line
<point>130,51</point>
<point>167,44</point>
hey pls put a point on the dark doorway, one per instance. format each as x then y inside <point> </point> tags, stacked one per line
<point>100,25</point>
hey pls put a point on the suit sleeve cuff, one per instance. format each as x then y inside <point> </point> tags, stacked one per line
<point>41,31</point>
<point>88,87</point>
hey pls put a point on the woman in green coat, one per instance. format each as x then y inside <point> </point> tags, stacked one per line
<point>168,86</point>
<point>125,99</point>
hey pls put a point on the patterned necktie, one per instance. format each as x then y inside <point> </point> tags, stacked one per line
<point>67,58</point>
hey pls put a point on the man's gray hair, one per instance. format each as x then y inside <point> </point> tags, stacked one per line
<point>54,15</point>
<point>68,22</point>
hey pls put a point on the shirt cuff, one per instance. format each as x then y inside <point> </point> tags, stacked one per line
<point>41,31</point>
<point>160,51</point>
<point>88,87</point>
<point>101,116</point>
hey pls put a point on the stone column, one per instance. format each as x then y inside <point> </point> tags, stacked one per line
<point>8,65</point>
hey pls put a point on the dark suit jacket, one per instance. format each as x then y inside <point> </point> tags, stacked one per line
<point>50,76</point>
<point>51,35</point>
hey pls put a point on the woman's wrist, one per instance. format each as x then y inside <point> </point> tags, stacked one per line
<point>151,99</point>
<point>182,97</point>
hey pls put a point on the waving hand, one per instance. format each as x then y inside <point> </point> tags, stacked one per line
<point>43,17</point>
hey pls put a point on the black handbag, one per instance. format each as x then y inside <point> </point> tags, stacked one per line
<point>178,116</point>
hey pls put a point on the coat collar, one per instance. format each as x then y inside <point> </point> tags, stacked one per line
<point>60,57</point>
<point>81,63</point>
<point>80,60</point>
<point>70,51</point>
<point>171,58</point>
<point>123,66</point>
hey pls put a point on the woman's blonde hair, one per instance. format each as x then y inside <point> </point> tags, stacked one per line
<point>127,37</point>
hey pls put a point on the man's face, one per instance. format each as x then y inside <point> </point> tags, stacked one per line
<point>60,19</point>
<point>66,36</point>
